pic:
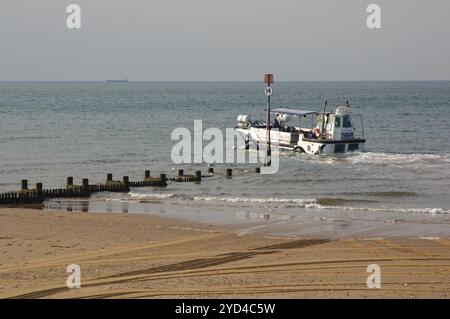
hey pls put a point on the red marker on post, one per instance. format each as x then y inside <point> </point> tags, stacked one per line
<point>268,79</point>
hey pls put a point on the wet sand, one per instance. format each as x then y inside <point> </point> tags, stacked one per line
<point>147,256</point>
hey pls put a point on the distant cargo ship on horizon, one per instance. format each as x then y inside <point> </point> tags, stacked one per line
<point>117,81</point>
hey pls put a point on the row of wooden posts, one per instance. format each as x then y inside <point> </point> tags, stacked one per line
<point>39,194</point>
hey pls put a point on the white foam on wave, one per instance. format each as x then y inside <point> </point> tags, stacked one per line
<point>429,238</point>
<point>298,202</point>
<point>396,158</point>
<point>417,210</point>
<point>306,203</point>
<point>150,194</point>
<point>377,158</point>
<point>312,204</point>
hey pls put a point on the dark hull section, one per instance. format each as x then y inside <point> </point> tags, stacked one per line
<point>352,141</point>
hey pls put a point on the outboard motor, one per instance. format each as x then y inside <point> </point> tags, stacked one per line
<point>244,121</point>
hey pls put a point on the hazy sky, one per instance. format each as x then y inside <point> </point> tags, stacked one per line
<point>162,40</point>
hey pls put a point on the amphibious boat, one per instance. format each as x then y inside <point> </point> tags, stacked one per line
<point>324,133</point>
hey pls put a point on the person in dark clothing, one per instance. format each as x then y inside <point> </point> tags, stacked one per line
<point>276,123</point>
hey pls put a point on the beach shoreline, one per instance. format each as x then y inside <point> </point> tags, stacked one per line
<point>151,256</point>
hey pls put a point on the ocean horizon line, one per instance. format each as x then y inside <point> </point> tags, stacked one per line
<point>218,81</point>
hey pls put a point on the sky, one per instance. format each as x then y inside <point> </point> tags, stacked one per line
<point>228,40</point>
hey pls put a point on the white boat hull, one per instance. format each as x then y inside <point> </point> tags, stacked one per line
<point>256,138</point>
<point>330,147</point>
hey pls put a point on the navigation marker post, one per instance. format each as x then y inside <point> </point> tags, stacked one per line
<point>268,79</point>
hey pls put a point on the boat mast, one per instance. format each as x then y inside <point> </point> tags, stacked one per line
<point>323,120</point>
<point>268,79</point>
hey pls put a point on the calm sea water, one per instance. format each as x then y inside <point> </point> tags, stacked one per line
<point>53,130</point>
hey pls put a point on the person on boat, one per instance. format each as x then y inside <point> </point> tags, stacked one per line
<point>315,133</point>
<point>276,122</point>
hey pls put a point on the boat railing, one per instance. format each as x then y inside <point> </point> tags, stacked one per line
<point>361,122</point>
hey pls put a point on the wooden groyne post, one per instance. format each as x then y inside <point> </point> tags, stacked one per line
<point>198,174</point>
<point>163,179</point>
<point>39,190</point>
<point>85,186</point>
<point>126,183</point>
<point>24,185</point>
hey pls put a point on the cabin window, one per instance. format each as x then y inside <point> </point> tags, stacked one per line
<point>346,121</point>
<point>337,122</point>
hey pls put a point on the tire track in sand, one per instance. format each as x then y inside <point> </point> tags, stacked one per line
<point>176,267</point>
<point>80,257</point>
<point>202,266</point>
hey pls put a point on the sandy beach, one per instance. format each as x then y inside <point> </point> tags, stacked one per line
<point>146,256</point>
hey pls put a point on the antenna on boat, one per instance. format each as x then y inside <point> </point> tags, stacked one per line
<point>349,107</point>
<point>323,119</point>
<point>268,79</point>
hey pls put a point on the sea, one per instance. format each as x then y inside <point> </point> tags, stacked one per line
<point>399,186</point>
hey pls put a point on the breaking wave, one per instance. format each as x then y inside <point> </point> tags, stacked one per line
<point>146,194</point>
<point>385,209</point>
<point>298,202</point>
<point>316,204</point>
<point>377,158</point>
<point>396,158</point>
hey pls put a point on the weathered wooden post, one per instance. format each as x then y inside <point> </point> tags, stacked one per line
<point>109,177</point>
<point>85,186</point>
<point>39,190</point>
<point>126,183</point>
<point>229,173</point>
<point>163,179</point>
<point>198,175</point>
<point>211,170</point>
<point>24,185</point>
<point>180,172</point>
<point>69,181</point>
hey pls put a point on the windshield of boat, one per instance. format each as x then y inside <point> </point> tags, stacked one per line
<point>258,123</point>
<point>337,123</point>
<point>346,122</point>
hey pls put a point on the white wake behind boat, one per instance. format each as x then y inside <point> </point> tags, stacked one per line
<point>327,132</point>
